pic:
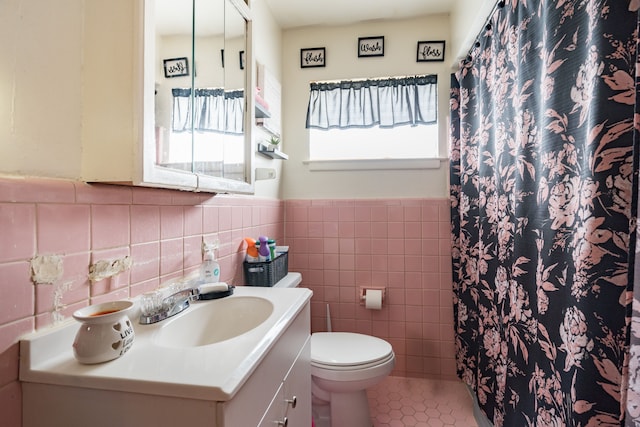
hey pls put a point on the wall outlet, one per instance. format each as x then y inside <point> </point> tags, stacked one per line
<point>265,173</point>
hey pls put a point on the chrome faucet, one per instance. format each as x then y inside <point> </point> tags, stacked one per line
<point>169,306</point>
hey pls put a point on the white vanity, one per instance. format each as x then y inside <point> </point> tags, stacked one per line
<point>259,377</point>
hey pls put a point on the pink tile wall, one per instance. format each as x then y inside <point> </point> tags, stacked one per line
<point>338,246</point>
<point>160,229</point>
<point>403,245</point>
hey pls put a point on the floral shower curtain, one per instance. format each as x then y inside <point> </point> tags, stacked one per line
<point>544,151</point>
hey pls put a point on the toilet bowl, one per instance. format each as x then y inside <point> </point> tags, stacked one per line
<point>343,366</point>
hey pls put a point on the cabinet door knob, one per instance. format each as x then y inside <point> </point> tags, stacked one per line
<point>293,402</point>
<point>284,422</point>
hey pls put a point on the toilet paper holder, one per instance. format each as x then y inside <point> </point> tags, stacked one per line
<point>363,292</point>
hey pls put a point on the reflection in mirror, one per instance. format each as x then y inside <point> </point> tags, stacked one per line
<point>173,40</point>
<point>234,82</point>
<point>208,110</point>
<point>200,108</point>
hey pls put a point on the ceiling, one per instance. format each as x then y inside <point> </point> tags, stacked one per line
<point>174,17</point>
<point>300,13</point>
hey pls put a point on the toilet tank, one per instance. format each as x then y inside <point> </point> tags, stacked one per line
<point>291,280</point>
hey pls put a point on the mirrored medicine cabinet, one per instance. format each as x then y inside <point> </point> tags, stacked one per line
<point>197,95</point>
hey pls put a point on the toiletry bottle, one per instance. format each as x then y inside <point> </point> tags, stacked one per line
<point>252,250</point>
<point>263,250</point>
<point>272,248</point>
<point>210,269</point>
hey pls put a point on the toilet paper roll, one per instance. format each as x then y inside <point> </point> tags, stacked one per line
<point>373,299</point>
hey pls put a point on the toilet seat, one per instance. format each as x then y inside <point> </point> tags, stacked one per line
<point>348,351</point>
<point>362,366</point>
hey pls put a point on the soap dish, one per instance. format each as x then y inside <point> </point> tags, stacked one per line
<point>216,295</point>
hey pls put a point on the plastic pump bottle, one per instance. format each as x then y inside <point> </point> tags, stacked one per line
<point>252,250</point>
<point>210,269</point>
<point>263,249</point>
<point>272,248</point>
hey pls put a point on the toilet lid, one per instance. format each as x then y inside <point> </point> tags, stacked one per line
<point>347,349</point>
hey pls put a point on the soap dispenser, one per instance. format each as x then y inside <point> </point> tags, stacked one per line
<point>210,269</point>
<point>264,254</point>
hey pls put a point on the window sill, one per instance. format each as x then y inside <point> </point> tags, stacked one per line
<point>374,164</point>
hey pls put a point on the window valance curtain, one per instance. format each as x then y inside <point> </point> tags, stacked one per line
<point>365,103</point>
<point>215,110</point>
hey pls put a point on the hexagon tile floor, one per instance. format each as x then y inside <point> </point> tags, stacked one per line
<point>415,402</point>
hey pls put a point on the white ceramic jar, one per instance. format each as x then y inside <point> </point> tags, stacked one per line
<point>105,333</point>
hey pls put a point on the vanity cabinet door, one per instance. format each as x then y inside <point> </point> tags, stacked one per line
<point>291,405</point>
<point>284,372</point>
<point>297,389</point>
<point>276,412</point>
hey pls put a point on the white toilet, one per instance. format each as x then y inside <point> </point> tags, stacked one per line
<point>343,366</point>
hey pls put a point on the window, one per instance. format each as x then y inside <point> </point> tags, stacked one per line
<point>393,118</point>
<point>400,142</point>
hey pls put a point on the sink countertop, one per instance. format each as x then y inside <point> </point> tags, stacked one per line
<point>212,372</point>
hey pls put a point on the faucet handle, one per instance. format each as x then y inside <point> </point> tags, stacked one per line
<point>178,297</point>
<point>169,306</point>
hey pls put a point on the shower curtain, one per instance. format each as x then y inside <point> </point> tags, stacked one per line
<point>543,176</point>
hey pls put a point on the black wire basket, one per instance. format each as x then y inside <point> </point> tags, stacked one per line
<point>266,273</point>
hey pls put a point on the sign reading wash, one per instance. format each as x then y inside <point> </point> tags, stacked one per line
<point>371,46</point>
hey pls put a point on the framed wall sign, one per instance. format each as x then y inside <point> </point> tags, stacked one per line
<point>371,46</point>
<point>430,51</point>
<point>176,67</point>
<point>312,57</point>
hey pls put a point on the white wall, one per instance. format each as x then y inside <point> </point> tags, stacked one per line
<point>267,49</point>
<point>40,87</point>
<point>467,20</point>
<point>342,62</point>
<point>42,104</point>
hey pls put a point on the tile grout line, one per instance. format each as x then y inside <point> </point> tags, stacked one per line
<point>419,402</point>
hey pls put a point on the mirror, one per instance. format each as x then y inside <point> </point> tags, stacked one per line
<point>200,85</point>
<point>234,82</point>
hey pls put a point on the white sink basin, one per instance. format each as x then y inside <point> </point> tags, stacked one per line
<point>214,321</point>
<point>171,358</point>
